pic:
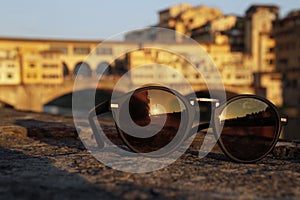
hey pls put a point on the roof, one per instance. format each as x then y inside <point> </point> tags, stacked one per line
<point>256,6</point>
<point>61,40</point>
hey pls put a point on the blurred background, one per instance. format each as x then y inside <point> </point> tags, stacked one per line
<point>256,47</point>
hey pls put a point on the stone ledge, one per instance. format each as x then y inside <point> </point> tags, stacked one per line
<point>18,131</point>
<point>55,166</point>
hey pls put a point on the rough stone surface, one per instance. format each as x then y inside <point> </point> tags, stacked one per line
<point>42,158</point>
<point>14,130</point>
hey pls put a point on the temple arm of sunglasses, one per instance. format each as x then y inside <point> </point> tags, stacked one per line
<point>99,109</point>
<point>284,120</point>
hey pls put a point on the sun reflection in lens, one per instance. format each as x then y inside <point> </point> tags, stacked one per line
<point>157,109</point>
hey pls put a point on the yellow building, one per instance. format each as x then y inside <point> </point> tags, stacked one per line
<point>183,18</point>
<point>32,63</point>
<point>235,68</point>
<point>160,65</point>
<point>31,69</point>
<point>168,17</point>
<point>52,67</point>
<point>272,82</point>
<point>41,67</point>
<point>260,45</point>
<point>212,30</point>
<point>48,61</point>
<point>258,36</point>
<point>9,67</point>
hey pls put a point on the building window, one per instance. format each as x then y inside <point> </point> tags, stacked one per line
<point>240,77</point>
<point>283,61</point>
<point>82,50</point>
<point>32,65</point>
<point>104,51</point>
<point>10,75</point>
<point>294,83</point>
<point>31,76</point>
<point>50,76</point>
<point>47,66</point>
<point>50,55</point>
<point>271,50</point>
<point>58,48</point>
<point>270,62</point>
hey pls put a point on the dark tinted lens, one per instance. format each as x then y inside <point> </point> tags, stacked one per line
<point>152,109</point>
<point>250,128</point>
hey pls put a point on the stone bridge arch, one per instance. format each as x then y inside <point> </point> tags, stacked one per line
<point>66,71</point>
<point>67,87</point>
<point>5,102</point>
<point>82,69</point>
<point>103,68</point>
<point>51,95</point>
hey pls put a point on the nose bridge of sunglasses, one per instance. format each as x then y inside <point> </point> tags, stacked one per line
<point>114,105</point>
<point>209,100</point>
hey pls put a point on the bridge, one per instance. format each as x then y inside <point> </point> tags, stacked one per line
<point>42,70</point>
<point>32,97</point>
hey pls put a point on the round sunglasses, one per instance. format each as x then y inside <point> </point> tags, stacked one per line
<point>156,120</point>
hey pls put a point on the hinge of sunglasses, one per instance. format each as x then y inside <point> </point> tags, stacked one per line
<point>216,101</point>
<point>284,119</point>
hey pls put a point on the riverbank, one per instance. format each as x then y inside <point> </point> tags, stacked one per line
<point>42,158</point>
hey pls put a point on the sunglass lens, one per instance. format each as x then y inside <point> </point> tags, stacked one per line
<point>250,128</point>
<point>155,119</point>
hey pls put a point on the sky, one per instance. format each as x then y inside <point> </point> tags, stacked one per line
<point>98,19</point>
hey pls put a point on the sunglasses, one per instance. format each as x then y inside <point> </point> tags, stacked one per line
<point>156,120</point>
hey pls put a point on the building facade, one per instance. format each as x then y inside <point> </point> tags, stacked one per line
<point>238,45</point>
<point>287,36</point>
<point>10,70</point>
<point>243,49</point>
<point>258,36</point>
<point>45,61</point>
<point>260,44</point>
<point>183,18</point>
